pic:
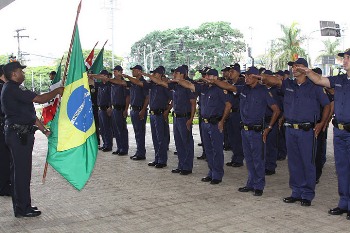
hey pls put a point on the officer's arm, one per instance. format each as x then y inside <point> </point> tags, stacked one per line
<point>41,127</point>
<point>270,80</point>
<point>157,81</point>
<point>145,104</point>
<point>43,98</point>
<point>193,108</point>
<point>133,80</point>
<point>275,113</point>
<point>314,77</point>
<point>227,110</point>
<point>186,84</point>
<point>225,85</point>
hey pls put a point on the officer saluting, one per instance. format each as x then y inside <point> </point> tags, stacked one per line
<point>17,104</point>
<point>341,129</point>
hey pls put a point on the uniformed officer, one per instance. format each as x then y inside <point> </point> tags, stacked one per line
<point>139,99</point>
<point>93,93</point>
<point>5,155</point>
<point>215,108</point>
<point>120,100</point>
<point>254,99</point>
<point>226,77</point>
<point>234,119</point>
<point>301,104</point>
<point>17,104</point>
<point>104,112</point>
<point>341,130</point>
<point>159,99</point>
<point>184,106</point>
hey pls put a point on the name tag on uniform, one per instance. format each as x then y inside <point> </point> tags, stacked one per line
<point>289,89</point>
<point>243,95</point>
<point>338,85</point>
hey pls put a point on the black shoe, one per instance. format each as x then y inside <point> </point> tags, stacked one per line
<point>258,192</point>
<point>160,165</point>
<point>185,172</point>
<point>235,164</point>
<point>215,181</point>
<point>122,153</point>
<point>34,208</point>
<point>305,202</point>
<point>138,158</point>
<point>317,181</point>
<point>291,199</point>
<point>269,172</point>
<point>203,156</point>
<point>200,144</point>
<point>116,152</point>
<point>227,148</point>
<point>176,170</point>
<point>281,158</point>
<point>245,189</point>
<point>337,211</point>
<point>229,164</point>
<point>206,179</point>
<point>348,216</point>
<point>106,149</point>
<point>32,213</point>
<point>152,164</point>
<point>175,152</point>
<point>100,147</point>
<point>6,194</point>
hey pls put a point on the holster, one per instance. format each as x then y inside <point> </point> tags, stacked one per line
<point>23,131</point>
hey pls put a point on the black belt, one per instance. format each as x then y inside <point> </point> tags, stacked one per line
<point>103,107</point>
<point>136,108</point>
<point>257,128</point>
<point>268,119</point>
<point>23,131</point>
<point>341,126</point>
<point>306,126</point>
<point>212,120</point>
<point>156,111</point>
<point>118,107</point>
<point>180,115</point>
<point>234,110</point>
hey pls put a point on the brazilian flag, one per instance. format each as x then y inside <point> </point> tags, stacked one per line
<point>72,148</point>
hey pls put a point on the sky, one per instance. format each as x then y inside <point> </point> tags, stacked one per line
<point>49,23</point>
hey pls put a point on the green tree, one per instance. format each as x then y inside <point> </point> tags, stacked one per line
<point>216,44</point>
<point>330,49</point>
<point>289,45</point>
<point>4,59</point>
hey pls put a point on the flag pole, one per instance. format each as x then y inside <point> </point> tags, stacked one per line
<point>65,71</point>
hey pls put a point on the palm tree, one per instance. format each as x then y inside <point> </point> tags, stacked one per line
<point>289,45</point>
<point>330,49</point>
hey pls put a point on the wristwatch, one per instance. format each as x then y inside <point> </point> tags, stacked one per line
<point>269,126</point>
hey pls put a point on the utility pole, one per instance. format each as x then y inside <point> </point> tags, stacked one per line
<point>111,6</point>
<point>19,52</point>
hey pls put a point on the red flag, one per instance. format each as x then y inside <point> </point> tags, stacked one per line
<point>88,60</point>
<point>49,111</point>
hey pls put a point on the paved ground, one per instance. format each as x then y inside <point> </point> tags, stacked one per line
<point>128,196</point>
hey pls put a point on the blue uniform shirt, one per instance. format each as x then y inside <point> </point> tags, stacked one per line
<point>253,103</point>
<point>17,104</point>
<point>159,96</point>
<point>137,94</point>
<point>2,115</point>
<point>275,92</point>
<point>103,94</point>
<point>181,98</point>
<point>119,94</point>
<point>213,100</point>
<point>341,85</point>
<point>302,102</point>
<point>234,97</point>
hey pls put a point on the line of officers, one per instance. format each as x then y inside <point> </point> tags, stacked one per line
<point>266,116</point>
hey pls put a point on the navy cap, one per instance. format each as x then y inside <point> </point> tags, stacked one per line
<point>252,70</point>
<point>105,72</point>
<point>317,70</point>
<point>301,61</point>
<point>236,67</point>
<point>185,66</point>
<point>204,70</point>
<point>162,68</point>
<point>181,70</point>
<point>347,52</point>
<point>269,72</point>
<point>280,72</point>
<point>262,69</point>
<point>158,70</point>
<point>119,68</point>
<point>138,67</point>
<point>11,66</point>
<point>227,68</point>
<point>286,72</point>
<point>213,72</point>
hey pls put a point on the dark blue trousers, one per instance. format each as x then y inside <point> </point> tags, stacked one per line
<point>235,137</point>
<point>252,148</point>
<point>213,140</point>
<point>160,138</point>
<point>105,129</point>
<point>140,132</point>
<point>21,170</point>
<point>302,172</point>
<point>341,143</point>
<point>184,143</point>
<point>5,161</point>
<point>120,130</point>
<point>282,147</point>
<point>271,149</point>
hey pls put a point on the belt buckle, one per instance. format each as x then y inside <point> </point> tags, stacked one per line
<point>152,112</point>
<point>205,120</point>
<point>341,126</point>
<point>246,127</point>
<point>174,114</point>
<point>99,108</point>
<point>295,126</point>
<point>112,106</point>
